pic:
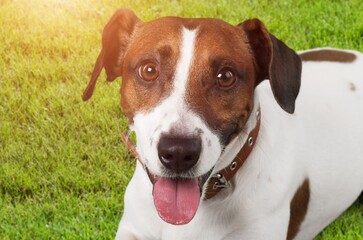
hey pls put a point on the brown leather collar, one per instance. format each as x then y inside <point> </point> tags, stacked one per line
<point>219,180</point>
<point>131,147</point>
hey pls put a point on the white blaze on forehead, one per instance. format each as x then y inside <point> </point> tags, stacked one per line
<point>172,112</point>
<point>185,61</point>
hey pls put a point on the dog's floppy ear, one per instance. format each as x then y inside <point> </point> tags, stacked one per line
<point>276,62</point>
<point>115,38</point>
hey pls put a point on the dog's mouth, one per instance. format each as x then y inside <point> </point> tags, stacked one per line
<point>177,199</point>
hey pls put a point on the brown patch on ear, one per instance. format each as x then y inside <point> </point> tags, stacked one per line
<point>298,209</point>
<point>329,55</point>
<point>261,46</point>
<point>275,61</point>
<point>96,72</point>
<point>115,39</point>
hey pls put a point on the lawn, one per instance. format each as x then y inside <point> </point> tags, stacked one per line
<point>63,167</point>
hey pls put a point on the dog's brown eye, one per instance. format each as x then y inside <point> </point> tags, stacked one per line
<point>225,78</point>
<point>149,72</point>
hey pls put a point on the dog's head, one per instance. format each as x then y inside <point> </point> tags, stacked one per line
<point>187,91</point>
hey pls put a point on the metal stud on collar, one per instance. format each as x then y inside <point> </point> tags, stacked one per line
<point>250,141</point>
<point>258,115</point>
<point>233,165</point>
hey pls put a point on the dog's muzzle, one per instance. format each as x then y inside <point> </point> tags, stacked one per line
<point>176,199</point>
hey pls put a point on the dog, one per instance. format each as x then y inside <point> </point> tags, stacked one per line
<point>224,154</point>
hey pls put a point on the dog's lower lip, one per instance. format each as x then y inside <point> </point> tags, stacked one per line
<point>201,179</point>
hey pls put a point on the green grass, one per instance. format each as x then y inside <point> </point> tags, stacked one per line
<point>63,168</point>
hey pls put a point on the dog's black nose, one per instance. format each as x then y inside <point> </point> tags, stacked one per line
<point>179,154</point>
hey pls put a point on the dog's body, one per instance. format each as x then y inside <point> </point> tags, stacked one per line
<point>305,168</point>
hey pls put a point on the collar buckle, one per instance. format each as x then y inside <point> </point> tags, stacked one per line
<point>221,181</point>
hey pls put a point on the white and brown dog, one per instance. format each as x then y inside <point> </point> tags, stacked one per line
<point>225,154</point>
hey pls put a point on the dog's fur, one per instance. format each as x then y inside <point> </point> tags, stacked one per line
<point>306,167</point>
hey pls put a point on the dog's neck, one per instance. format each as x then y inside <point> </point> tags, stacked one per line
<point>234,147</point>
<point>235,154</point>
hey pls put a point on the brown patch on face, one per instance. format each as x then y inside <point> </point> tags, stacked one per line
<point>157,42</point>
<point>218,44</point>
<point>328,55</point>
<point>352,87</point>
<point>298,209</point>
<point>226,110</point>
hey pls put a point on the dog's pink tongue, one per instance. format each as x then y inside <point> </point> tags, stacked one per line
<point>176,200</point>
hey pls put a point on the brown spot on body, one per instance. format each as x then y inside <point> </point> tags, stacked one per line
<point>329,55</point>
<point>298,209</point>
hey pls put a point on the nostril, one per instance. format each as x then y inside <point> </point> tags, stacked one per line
<point>188,158</point>
<point>165,158</point>
<point>179,154</point>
